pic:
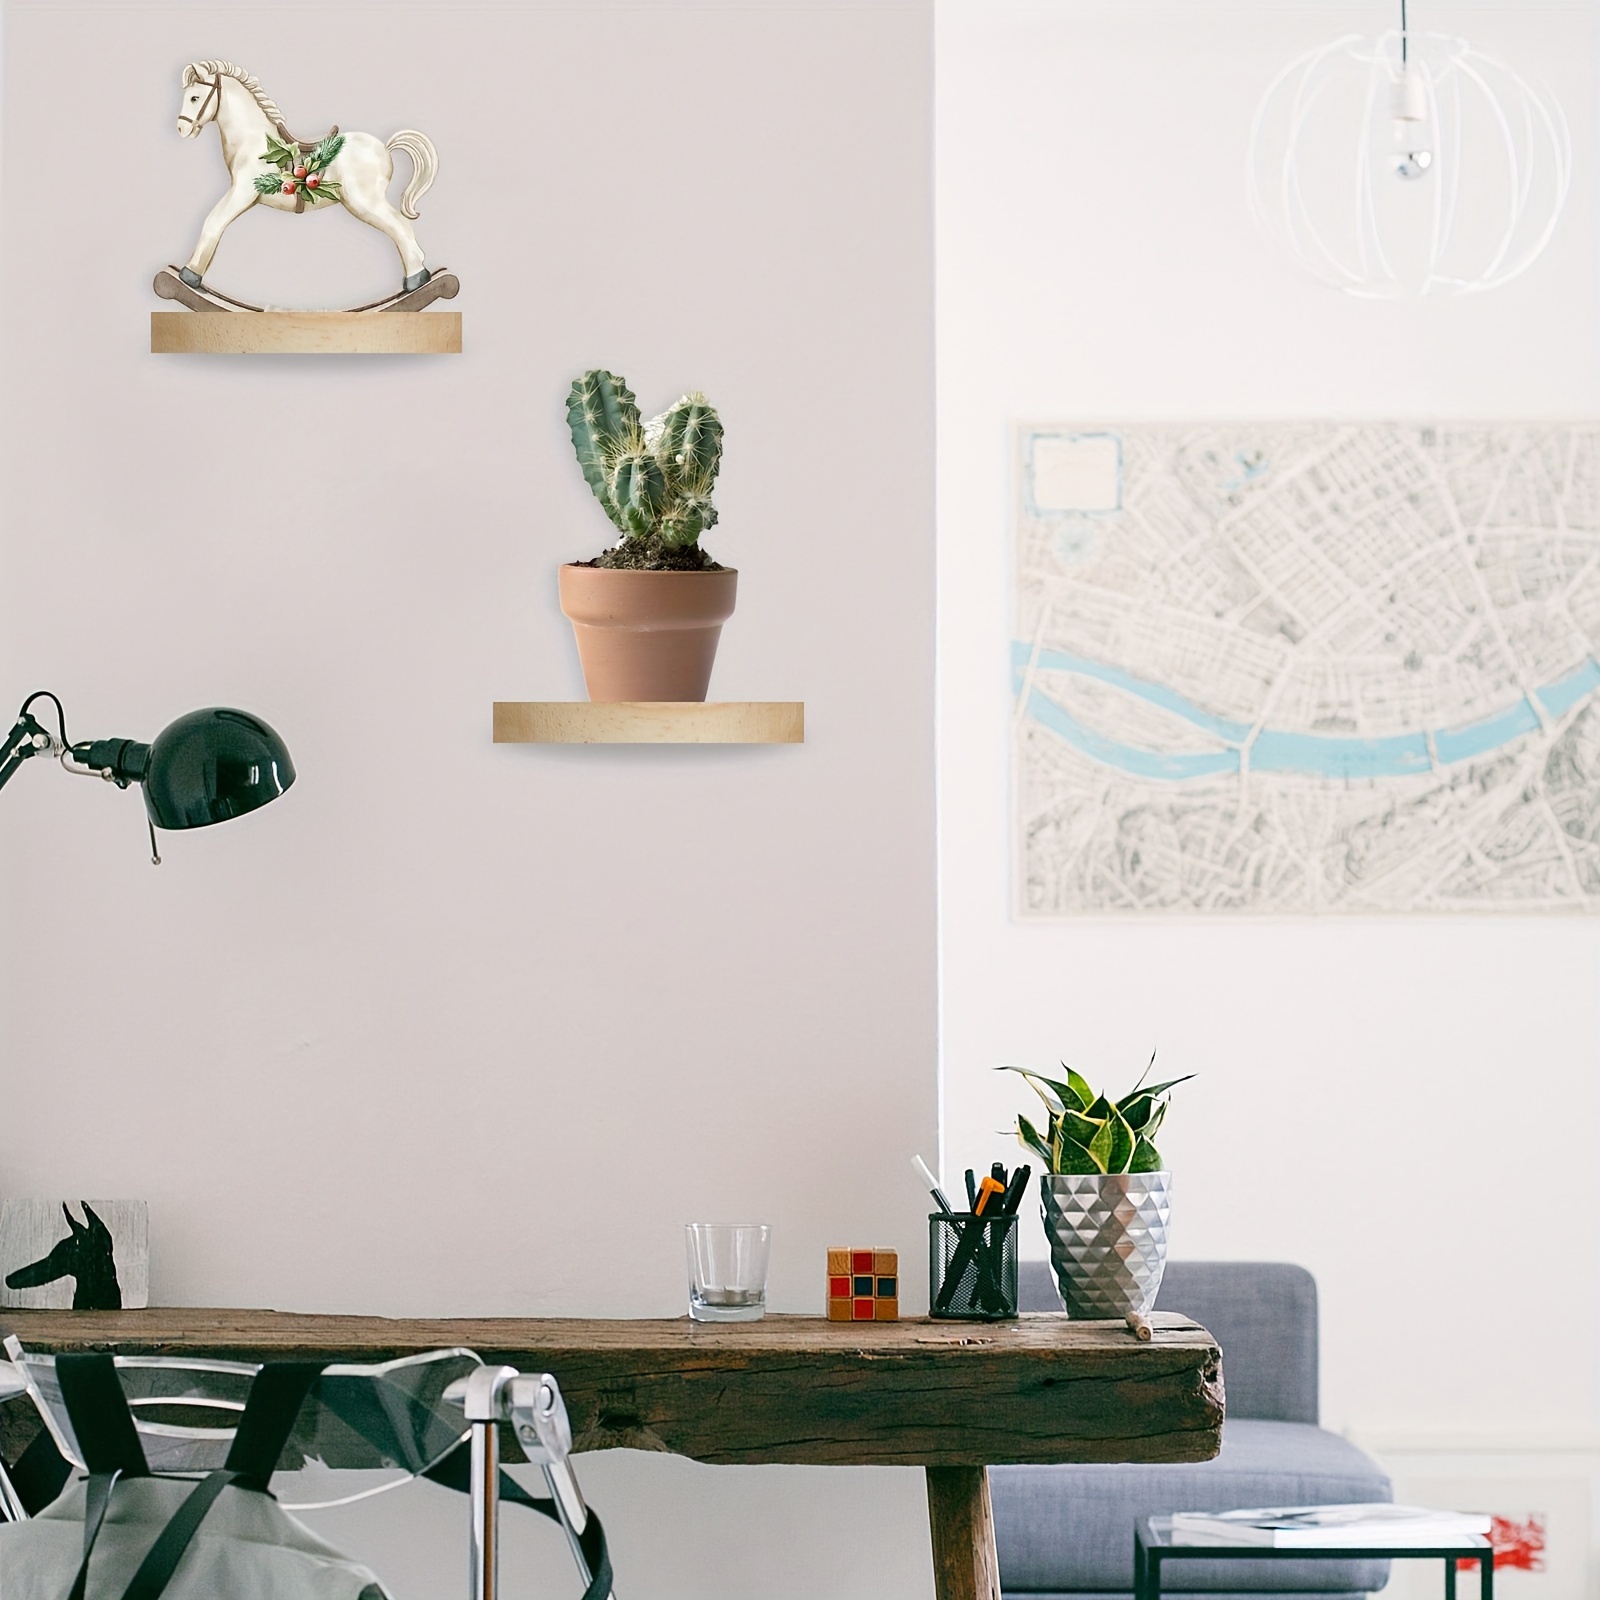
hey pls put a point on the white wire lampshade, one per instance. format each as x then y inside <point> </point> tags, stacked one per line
<point>1409,164</point>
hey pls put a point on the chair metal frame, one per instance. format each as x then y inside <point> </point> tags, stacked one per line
<point>532,1404</point>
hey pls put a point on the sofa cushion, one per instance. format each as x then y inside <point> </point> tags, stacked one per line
<point>1069,1529</point>
<point>1275,1594</point>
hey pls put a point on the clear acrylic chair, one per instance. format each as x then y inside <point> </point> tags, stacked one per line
<point>409,1416</point>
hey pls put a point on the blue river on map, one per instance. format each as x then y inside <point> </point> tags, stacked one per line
<point>1397,755</point>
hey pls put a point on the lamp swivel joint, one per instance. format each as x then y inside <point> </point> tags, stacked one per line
<point>27,738</point>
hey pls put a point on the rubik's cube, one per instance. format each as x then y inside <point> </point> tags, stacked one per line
<point>863,1286</point>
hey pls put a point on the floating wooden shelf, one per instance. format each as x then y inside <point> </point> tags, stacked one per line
<point>309,333</point>
<point>649,722</point>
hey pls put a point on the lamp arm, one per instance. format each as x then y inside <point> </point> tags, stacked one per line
<point>27,738</point>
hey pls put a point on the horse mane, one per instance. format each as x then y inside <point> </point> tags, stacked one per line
<point>196,70</point>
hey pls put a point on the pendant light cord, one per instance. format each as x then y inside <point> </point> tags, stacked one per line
<point>1402,33</point>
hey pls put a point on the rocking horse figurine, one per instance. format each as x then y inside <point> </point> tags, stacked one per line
<point>268,166</point>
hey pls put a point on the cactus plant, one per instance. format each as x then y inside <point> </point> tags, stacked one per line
<point>654,478</point>
<point>1085,1132</point>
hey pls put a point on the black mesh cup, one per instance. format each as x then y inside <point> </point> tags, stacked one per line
<point>972,1266</point>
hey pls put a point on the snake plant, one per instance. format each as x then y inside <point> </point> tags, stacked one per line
<point>1085,1132</point>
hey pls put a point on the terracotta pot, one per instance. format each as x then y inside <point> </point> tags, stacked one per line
<point>647,635</point>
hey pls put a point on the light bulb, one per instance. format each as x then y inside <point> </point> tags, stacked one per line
<point>1412,163</point>
<point>1408,106</point>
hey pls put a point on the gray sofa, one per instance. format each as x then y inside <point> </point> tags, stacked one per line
<point>1068,1530</point>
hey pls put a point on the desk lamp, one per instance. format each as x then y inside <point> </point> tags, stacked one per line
<point>205,767</point>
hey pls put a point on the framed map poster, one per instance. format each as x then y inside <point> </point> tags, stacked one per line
<point>1306,667</point>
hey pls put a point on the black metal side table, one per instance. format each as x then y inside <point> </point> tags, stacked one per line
<point>1152,1544</point>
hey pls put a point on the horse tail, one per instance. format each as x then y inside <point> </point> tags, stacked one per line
<point>424,167</point>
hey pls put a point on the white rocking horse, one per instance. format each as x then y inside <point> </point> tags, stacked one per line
<point>269,166</point>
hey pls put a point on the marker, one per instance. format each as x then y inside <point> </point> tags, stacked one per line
<point>1019,1187</point>
<point>932,1182</point>
<point>985,1189</point>
<point>969,1251</point>
<point>972,1190</point>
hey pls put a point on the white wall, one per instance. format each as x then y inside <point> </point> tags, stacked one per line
<point>458,1028</point>
<point>1407,1107</point>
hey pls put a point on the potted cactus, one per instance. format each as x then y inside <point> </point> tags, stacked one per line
<point>1106,1196</point>
<point>648,611</point>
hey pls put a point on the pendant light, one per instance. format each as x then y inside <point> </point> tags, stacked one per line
<point>1408,165</point>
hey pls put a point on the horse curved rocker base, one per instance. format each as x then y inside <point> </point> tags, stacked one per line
<point>173,283</point>
<point>268,166</point>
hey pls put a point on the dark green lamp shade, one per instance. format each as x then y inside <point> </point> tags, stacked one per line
<point>211,765</point>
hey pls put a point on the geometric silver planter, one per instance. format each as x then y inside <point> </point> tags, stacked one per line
<point>1108,1239</point>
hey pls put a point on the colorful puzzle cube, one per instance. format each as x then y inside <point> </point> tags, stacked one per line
<point>863,1286</point>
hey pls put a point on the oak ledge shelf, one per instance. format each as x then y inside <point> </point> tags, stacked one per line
<point>307,333</point>
<point>649,722</point>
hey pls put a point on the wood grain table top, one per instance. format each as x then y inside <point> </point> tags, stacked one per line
<point>783,1389</point>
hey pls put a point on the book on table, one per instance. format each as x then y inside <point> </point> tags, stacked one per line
<point>1378,1524</point>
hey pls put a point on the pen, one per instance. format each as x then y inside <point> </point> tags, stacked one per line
<point>1007,1205</point>
<point>988,1187</point>
<point>933,1184</point>
<point>969,1253</point>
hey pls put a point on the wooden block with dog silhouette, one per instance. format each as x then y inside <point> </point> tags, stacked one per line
<point>80,1255</point>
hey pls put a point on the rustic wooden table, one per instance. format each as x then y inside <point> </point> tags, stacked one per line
<point>951,1397</point>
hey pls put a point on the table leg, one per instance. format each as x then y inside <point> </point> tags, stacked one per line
<point>1486,1576</point>
<point>1449,1578</point>
<point>965,1566</point>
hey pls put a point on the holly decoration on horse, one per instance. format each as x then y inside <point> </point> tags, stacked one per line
<point>300,173</point>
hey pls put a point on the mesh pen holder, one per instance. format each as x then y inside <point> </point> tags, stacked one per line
<point>972,1266</point>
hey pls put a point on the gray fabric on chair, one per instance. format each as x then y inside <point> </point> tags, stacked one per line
<point>1069,1529</point>
<point>1071,1594</point>
<point>1262,1313</point>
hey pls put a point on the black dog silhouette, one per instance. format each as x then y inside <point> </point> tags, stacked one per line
<point>84,1255</point>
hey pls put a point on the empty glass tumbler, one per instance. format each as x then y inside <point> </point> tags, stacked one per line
<point>727,1270</point>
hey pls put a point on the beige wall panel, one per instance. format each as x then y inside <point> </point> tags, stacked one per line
<point>459,1027</point>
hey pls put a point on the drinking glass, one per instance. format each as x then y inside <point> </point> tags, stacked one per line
<point>727,1270</point>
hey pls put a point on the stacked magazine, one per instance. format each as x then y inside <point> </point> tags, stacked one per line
<point>1372,1526</point>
